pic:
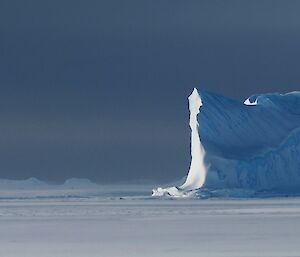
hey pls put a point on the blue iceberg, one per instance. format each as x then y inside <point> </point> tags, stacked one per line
<point>252,146</point>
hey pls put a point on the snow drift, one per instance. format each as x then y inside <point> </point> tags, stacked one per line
<point>251,145</point>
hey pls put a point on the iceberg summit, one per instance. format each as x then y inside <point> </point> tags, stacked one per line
<point>251,146</point>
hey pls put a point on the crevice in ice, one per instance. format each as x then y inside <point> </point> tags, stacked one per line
<point>197,172</point>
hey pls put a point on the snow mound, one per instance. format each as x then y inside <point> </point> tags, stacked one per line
<point>252,145</point>
<point>173,192</point>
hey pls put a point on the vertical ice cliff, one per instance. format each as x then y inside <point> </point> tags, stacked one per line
<point>197,172</point>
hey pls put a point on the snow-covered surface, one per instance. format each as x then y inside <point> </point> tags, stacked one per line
<point>134,227</point>
<point>73,188</point>
<point>173,192</point>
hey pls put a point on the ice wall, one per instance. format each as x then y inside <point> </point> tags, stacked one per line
<point>251,145</point>
<point>197,172</point>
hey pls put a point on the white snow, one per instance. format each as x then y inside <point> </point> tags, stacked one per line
<point>173,192</point>
<point>150,228</point>
<point>72,188</point>
<point>248,102</point>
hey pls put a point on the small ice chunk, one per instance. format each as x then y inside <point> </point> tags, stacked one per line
<point>249,102</point>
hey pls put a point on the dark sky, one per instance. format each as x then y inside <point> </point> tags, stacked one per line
<point>98,89</point>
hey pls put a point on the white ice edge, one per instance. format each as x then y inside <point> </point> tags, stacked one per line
<point>197,172</point>
<point>247,102</point>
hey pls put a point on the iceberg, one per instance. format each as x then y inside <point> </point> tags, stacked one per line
<point>252,145</point>
<point>79,183</point>
<point>21,184</point>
